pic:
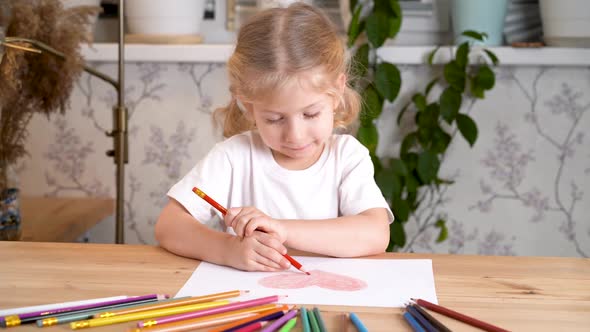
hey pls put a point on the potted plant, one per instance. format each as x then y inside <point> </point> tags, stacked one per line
<point>407,180</point>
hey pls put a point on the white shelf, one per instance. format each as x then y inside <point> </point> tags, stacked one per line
<point>411,55</point>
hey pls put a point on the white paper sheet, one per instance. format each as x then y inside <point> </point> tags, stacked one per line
<point>389,282</point>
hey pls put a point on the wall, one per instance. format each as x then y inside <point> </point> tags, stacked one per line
<point>521,190</point>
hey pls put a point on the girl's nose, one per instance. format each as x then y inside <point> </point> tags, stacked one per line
<point>293,131</point>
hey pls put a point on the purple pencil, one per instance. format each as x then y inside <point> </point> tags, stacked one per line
<point>280,322</point>
<point>210,311</point>
<point>15,320</point>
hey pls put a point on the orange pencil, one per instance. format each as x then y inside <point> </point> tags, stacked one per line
<point>223,211</point>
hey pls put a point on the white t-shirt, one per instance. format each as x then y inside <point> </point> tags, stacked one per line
<point>241,171</point>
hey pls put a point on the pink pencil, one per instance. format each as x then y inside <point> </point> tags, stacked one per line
<point>211,311</point>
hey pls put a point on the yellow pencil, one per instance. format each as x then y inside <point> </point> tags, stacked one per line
<point>144,315</point>
<point>211,320</point>
<point>173,303</point>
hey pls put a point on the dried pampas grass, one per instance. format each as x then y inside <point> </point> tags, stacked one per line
<point>38,83</point>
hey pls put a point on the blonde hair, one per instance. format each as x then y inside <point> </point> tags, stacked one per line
<point>273,48</point>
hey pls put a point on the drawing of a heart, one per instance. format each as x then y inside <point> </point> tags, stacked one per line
<point>318,278</point>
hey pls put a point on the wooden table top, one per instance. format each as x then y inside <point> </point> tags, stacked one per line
<point>62,219</point>
<point>515,293</point>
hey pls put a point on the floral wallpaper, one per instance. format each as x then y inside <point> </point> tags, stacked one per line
<point>519,191</point>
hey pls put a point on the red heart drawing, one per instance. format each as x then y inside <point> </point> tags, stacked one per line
<point>318,278</point>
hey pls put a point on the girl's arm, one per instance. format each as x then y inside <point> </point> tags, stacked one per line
<point>366,233</point>
<point>178,232</point>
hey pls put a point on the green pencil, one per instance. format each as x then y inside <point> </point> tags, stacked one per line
<point>318,318</point>
<point>289,325</point>
<point>304,320</point>
<point>313,322</point>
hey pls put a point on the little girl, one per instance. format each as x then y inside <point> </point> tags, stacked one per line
<point>287,178</point>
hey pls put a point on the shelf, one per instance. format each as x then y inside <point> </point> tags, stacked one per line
<point>410,55</point>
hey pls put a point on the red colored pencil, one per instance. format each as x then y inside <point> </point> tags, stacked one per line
<point>223,211</point>
<point>252,327</point>
<point>459,316</point>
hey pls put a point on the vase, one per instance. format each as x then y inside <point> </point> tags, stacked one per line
<point>481,16</point>
<point>566,23</point>
<point>10,219</point>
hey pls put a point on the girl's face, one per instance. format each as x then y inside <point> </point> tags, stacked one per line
<point>295,124</point>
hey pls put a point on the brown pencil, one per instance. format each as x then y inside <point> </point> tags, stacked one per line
<point>459,316</point>
<point>431,319</point>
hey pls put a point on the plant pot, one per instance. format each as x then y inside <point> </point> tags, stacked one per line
<point>479,15</point>
<point>10,219</point>
<point>164,17</point>
<point>566,23</point>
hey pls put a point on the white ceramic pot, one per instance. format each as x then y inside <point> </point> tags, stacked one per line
<point>164,17</point>
<point>566,22</point>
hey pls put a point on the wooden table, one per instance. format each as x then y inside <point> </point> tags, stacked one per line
<point>516,293</point>
<point>60,219</point>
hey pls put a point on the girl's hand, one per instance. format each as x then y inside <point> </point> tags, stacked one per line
<point>258,252</point>
<point>245,220</point>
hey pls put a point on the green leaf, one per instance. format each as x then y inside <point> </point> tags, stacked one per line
<point>463,55</point>
<point>395,8</point>
<point>431,55</point>
<point>400,209</point>
<point>450,103</point>
<point>397,235</point>
<point>476,90</point>
<point>372,105</point>
<point>360,61</point>
<point>368,136</point>
<point>377,28</point>
<point>492,57</point>
<point>442,235</point>
<point>429,117</point>
<point>475,35</point>
<point>354,27</point>
<point>401,113</point>
<point>428,165</point>
<point>455,75</point>
<point>467,127</point>
<point>420,101</point>
<point>377,166</point>
<point>395,23</point>
<point>440,140</point>
<point>388,80</point>
<point>411,184</point>
<point>389,183</point>
<point>430,86</point>
<point>485,78</point>
<point>399,167</point>
<point>411,160</point>
<point>352,5</point>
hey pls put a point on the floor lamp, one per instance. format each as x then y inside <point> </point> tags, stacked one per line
<point>120,151</point>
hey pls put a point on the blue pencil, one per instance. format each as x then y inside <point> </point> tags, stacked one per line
<point>413,323</point>
<point>357,322</point>
<point>421,319</point>
<point>304,320</point>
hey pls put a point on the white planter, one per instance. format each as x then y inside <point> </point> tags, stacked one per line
<point>164,17</point>
<point>566,23</point>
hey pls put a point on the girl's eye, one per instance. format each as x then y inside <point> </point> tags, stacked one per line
<point>274,120</point>
<point>312,115</point>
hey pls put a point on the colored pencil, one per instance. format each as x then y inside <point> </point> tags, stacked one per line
<point>52,306</point>
<point>280,322</point>
<point>357,322</point>
<point>144,315</point>
<point>216,310</point>
<point>413,323</point>
<point>289,325</point>
<point>439,326</point>
<point>459,316</point>
<point>252,327</point>
<point>262,317</point>
<point>421,319</point>
<point>305,320</point>
<point>174,303</point>
<point>319,319</point>
<point>223,211</point>
<point>31,317</point>
<point>213,320</point>
<point>85,314</point>
<point>313,322</point>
